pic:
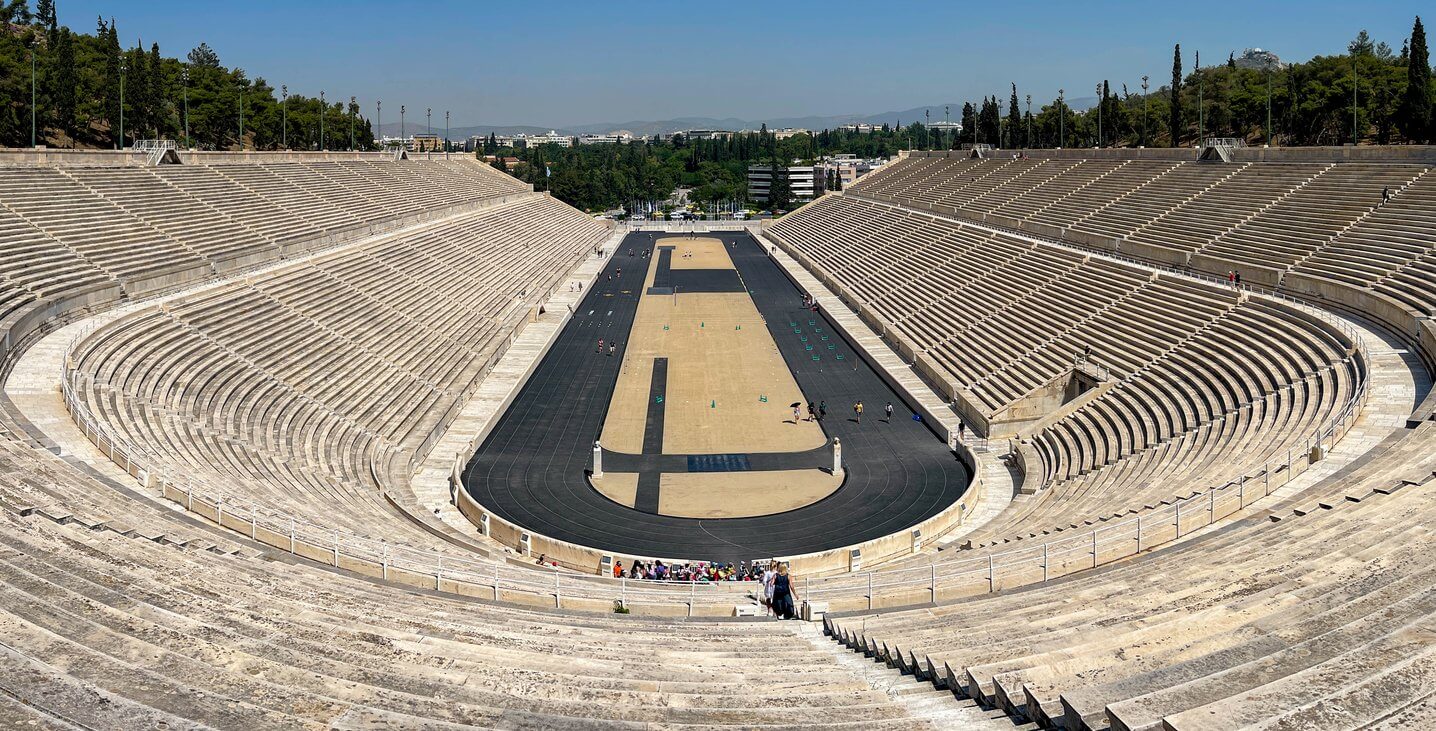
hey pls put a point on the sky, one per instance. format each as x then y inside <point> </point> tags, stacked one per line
<point>558,63</point>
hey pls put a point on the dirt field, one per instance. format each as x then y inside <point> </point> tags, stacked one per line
<point>728,389</point>
<point>742,494</point>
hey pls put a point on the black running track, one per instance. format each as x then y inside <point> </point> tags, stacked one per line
<point>531,469</point>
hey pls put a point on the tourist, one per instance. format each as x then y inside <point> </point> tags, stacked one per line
<point>617,569</point>
<point>542,559</point>
<point>600,346</point>
<point>1385,195</point>
<point>797,415</point>
<point>1237,278</point>
<point>611,348</point>
<point>812,411</point>
<point>858,412</point>
<point>888,411</point>
<point>822,410</point>
<point>961,430</point>
<point>784,597</point>
<point>769,574</point>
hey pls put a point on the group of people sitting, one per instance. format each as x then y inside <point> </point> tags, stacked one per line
<point>702,571</point>
<point>778,595</point>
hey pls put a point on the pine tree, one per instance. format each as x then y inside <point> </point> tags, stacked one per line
<point>45,15</point>
<point>155,91</point>
<point>1014,117</point>
<point>1415,115</point>
<point>65,80</point>
<point>1175,123</point>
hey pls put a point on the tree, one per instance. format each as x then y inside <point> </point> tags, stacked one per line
<point>66,80</point>
<point>1175,123</point>
<point>204,56</point>
<point>45,15</point>
<point>1014,117</point>
<point>1414,116</point>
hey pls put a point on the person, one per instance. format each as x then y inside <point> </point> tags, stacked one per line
<point>600,346</point>
<point>1237,278</point>
<point>812,411</point>
<point>784,597</point>
<point>822,410</point>
<point>611,347</point>
<point>961,430</point>
<point>769,574</point>
<point>797,416</point>
<point>1385,194</point>
<point>858,412</point>
<point>542,559</point>
<point>617,569</point>
<point>888,410</point>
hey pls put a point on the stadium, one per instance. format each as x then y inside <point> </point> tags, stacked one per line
<point>1098,437</point>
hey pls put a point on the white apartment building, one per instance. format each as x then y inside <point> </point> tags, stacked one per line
<point>806,182</point>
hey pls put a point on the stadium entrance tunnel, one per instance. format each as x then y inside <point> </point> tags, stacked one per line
<point>689,369</point>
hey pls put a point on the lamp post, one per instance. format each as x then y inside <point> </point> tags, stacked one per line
<point>184,78</point>
<point>284,116</point>
<point>1100,99</point>
<point>379,121</point>
<point>1029,121</point>
<point>403,109</point>
<point>1268,105</point>
<point>33,43</point>
<point>122,102</point>
<point>241,117</point>
<point>1355,137</point>
<point>927,116</point>
<point>1061,118</point>
<point>1145,103</point>
<point>322,114</point>
<point>353,106</point>
<point>446,134</point>
<point>1201,104</point>
<point>429,125</point>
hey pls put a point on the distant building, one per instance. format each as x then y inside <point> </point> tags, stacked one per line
<point>552,138</point>
<point>426,142</point>
<point>863,127</point>
<point>945,126</point>
<point>707,134</point>
<point>612,138</point>
<point>849,167</point>
<point>783,134</point>
<point>806,181</point>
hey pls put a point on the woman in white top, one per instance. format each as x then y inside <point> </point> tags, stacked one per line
<point>769,574</point>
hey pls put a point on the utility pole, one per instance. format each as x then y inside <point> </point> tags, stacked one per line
<point>284,116</point>
<point>322,114</point>
<point>122,102</point>
<point>241,117</point>
<point>403,109</point>
<point>379,120</point>
<point>353,105</point>
<point>446,134</point>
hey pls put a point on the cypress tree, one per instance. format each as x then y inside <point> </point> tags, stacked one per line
<point>66,78</point>
<point>1415,114</point>
<point>1014,116</point>
<point>1175,123</point>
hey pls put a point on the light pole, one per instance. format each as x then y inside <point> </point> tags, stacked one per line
<point>1268,105</point>
<point>33,43</point>
<point>184,78</point>
<point>284,116</point>
<point>1101,99</point>
<point>1201,104</point>
<point>322,113</point>
<point>1355,138</point>
<point>122,102</point>
<point>927,115</point>
<point>1029,121</point>
<point>429,124</point>
<point>379,121</point>
<point>403,109</point>
<point>241,117</point>
<point>1061,118</point>
<point>446,134</point>
<point>353,106</point>
<point>1145,103</point>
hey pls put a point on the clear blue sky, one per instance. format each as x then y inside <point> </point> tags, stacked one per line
<point>560,63</point>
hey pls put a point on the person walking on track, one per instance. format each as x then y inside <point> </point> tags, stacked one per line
<point>599,349</point>
<point>822,410</point>
<point>888,411</point>
<point>858,412</point>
